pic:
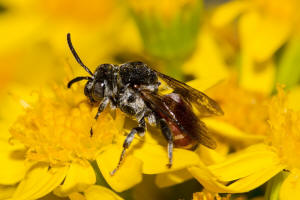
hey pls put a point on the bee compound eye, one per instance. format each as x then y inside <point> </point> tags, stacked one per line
<point>86,91</point>
<point>99,89</point>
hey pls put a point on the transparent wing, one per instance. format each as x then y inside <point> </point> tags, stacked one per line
<point>206,106</point>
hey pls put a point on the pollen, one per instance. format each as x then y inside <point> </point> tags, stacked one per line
<point>284,134</point>
<point>205,195</point>
<point>56,129</point>
<point>244,109</point>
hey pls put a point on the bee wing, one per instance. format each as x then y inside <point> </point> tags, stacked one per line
<point>181,115</point>
<point>155,101</point>
<point>206,106</point>
<point>204,137</point>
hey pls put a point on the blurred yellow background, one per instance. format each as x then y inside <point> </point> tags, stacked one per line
<point>186,39</point>
<point>255,42</point>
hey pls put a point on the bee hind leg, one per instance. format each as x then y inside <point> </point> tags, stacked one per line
<point>168,135</point>
<point>140,130</point>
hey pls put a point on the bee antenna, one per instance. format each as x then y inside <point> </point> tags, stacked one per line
<point>79,78</point>
<point>76,55</point>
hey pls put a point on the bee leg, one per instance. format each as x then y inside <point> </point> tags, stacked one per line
<point>102,106</point>
<point>137,130</point>
<point>168,135</point>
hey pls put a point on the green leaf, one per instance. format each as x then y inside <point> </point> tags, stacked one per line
<point>289,65</point>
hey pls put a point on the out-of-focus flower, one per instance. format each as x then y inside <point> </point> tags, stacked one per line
<point>263,27</point>
<point>34,32</point>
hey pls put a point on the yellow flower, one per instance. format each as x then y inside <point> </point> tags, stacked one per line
<point>52,148</point>
<point>275,21</point>
<point>253,166</point>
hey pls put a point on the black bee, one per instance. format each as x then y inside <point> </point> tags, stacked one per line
<point>133,87</point>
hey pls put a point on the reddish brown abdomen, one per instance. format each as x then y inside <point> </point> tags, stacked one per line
<point>181,139</point>
<point>182,115</point>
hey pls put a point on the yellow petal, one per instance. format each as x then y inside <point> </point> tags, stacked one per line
<point>207,179</point>
<point>211,183</point>
<point>99,192</point>
<point>77,179</point>
<point>226,13</point>
<point>290,188</point>
<point>155,158</point>
<point>244,163</point>
<point>202,84</point>
<point>257,78</point>
<point>76,196</point>
<point>231,132</point>
<point>12,168</point>
<point>39,181</point>
<point>210,156</point>
<point>255,180</point>
<point>129,173</point>
<point>6,191</point>
<point>172,178</point>
<point>262,35</point>
<point>12,105</point>
<point>207,54</point>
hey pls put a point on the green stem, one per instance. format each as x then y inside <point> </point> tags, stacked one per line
<point>274,185</point>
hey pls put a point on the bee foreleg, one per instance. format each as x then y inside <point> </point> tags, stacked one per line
<point>137,130</point>
<point>101,107</point>
<point>168,135</point>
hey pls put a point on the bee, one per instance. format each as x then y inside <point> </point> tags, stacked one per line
<point>133,87</point>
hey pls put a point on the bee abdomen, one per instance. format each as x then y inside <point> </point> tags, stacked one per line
<point>181,139</point>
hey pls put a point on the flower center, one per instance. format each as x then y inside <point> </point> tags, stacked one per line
<point>243,109</point>
<point>285,130</point>
<point>57,129</point>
